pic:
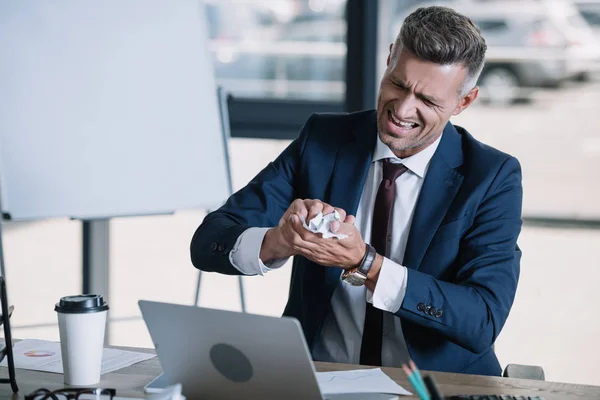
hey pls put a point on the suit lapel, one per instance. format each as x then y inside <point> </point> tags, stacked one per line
<point>352,165</point>
<point>441,184</point>
<point>350,171</point>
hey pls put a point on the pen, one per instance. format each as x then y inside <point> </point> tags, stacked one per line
<point>432,388</point>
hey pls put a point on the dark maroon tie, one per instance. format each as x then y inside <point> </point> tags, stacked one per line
<point>370,351</point>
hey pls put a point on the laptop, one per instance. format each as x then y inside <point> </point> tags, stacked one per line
<point>218,354</point>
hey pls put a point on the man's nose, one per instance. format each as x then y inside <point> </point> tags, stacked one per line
<point>405,107</point>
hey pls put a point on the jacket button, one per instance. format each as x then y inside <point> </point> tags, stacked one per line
<point>213,246</point>
<point>427,308</point>
<point>432,311</point>
<point>221,247</point>
<point>421,307</point>
<point>439,313</point>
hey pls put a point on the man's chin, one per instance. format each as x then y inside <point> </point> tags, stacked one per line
<point>402,148</point>
<point>394,142</point>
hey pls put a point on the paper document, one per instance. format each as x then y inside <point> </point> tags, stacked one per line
<point>322,224</point>
<point>42,355</point>
<point>358,381</point>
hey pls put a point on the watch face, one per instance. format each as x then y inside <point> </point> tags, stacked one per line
<point>354,278</point>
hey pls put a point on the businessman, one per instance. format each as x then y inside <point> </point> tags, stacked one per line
<point>430,263</point>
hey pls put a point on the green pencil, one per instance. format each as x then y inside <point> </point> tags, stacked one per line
<point>416,371</point>
<point>417,385</point>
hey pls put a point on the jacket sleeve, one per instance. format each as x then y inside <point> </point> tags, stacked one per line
<point>472,309</point>
<point>261,203</point>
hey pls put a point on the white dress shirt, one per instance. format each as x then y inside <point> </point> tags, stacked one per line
<point>341,335</point>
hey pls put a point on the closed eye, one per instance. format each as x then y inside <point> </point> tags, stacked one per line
<point>400,85</point>
<point>428,102</point>
<point>425,99</point>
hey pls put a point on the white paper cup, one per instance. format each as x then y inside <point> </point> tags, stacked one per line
<point>81,324</point>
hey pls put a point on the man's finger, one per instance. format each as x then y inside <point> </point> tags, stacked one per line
<point>295,220</point>
<point>289,230</point>
<point>315,207</point>
<point>350,219</point>
<point>300,236</point>
<point>342,213</point>
<point>299,208</point>
<point>295,224</point>
<point>304,233</point>
<point>327,209</point>
<point>291,209</point>
<point>286,216</point>
<point>335,226</point>
<point>347,229</point>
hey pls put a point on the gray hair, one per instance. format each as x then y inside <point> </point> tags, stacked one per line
<point>443,36</point>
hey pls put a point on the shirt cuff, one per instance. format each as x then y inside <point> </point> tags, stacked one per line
<point>245,255</point>
<point>391,287</point>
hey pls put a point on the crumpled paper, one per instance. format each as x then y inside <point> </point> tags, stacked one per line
<point>322,224</point>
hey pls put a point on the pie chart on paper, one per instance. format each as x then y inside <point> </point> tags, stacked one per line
<point>38,353</point>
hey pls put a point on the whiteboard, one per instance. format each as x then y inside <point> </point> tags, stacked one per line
<point>107,108</point>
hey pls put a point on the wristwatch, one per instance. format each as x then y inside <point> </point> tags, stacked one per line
<point>358,275</point>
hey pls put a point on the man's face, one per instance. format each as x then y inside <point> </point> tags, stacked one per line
<point>416,100</point>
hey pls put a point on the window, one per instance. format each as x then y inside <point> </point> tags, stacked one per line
<point>281,49</point>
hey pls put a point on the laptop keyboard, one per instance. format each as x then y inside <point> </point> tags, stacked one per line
<point>492,397</point>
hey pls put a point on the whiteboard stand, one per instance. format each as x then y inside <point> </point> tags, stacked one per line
<point>95,237</point>
<point>5,314</point>
<point>95,262</point>
<point>2,268</point>
<point>226,129</point>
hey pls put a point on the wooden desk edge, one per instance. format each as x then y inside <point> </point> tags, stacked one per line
<point>131,380</point>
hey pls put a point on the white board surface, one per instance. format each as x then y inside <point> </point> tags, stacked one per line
<point>107,108</point>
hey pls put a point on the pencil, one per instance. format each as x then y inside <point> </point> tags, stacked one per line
<point>416,371</point>
<point>414,381</point>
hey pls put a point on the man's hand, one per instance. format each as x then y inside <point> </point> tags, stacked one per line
<point>279,241</point>
<point>345,253</point>
<point>308,209</point>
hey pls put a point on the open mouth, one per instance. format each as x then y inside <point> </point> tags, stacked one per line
<point>402,124</point>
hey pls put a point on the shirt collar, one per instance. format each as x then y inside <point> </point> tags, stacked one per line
<point>417,163</point>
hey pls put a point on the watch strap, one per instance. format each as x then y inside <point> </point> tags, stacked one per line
<point>367,262</point>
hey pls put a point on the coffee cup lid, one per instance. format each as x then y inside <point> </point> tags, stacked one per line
<point>81,304</point>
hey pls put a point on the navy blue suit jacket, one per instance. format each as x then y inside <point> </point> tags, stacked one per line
<point>462,254</point>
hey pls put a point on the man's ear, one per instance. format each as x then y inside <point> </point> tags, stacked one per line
<point>466,101</point>
<point>389,54</point>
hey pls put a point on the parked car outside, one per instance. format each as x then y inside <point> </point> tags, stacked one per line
<point>590,11</point>
<point>301,58</point>
<point>531,44</point>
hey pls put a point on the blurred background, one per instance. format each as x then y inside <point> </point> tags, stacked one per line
<point>283,59</point>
